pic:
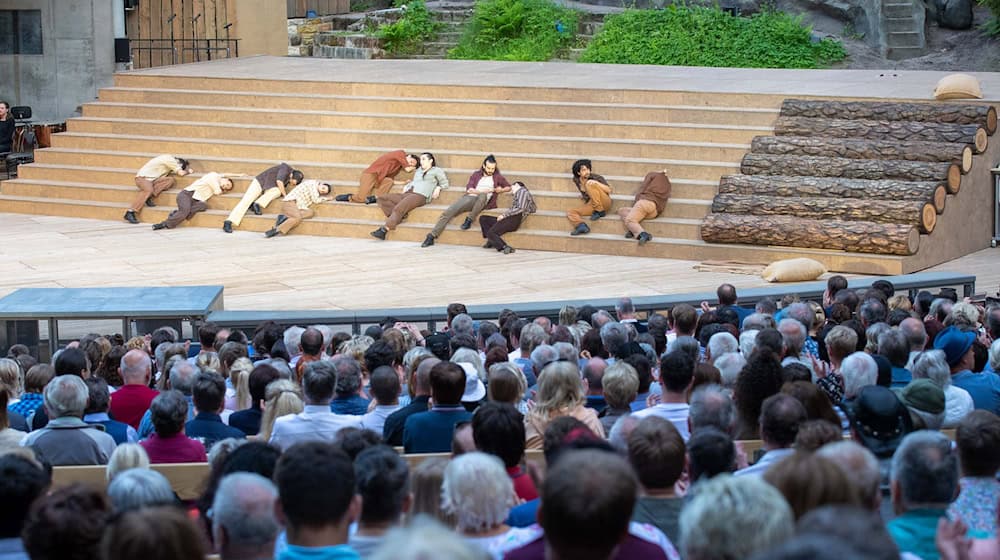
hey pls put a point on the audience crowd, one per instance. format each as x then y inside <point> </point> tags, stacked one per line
<point>864,425</point>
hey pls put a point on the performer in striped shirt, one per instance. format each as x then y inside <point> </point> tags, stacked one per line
<point>493,227</point>
<point>297,205</point>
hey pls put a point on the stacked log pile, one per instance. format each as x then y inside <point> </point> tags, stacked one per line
<point>867,177</point>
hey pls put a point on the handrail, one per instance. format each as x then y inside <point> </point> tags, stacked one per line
<point>208,46</point>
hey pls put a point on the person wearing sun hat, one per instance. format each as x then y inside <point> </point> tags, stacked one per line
<point>983,387</point>
<point>925,400</point>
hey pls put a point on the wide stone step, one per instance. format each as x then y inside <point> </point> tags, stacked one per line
<point>897,9</point>
<point>899,24</point>
<point>549,163</point>
<point>231,104</point>
<point>119,168</point>
<point>672,147</point>
<point>905,39</point>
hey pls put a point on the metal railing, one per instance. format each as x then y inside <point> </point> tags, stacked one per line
<point>202,49</point>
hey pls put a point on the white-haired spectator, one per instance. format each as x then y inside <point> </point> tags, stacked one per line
<point>140,488</point>
<point>67,439</point>
<point>126,456</point>
<point>793,336</point>
<point>730,365</point>
<point>872,334</point>
<point>916,335</point>
<point>243,520</point>
<point>687,344</point>
<point>748,341</point>
<point>859,370</point>
<point>721,343</point>
<point>621,385</point>
<point>758,322</point>
<point>711,405</point>
<point>292,339</point>
<point>932,365</point>
<point>724,519</point>
<point>425,539</point>
<point>479,493</point>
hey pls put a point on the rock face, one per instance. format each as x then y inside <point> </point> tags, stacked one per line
<point>954,14</point>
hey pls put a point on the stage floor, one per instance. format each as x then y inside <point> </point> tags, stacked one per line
<point>900,84</point>
<point>306,272</point>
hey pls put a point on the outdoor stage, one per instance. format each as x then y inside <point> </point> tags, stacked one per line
<point>331,118</point>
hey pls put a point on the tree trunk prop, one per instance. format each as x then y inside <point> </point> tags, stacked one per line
<point>835,187</point>
<point>883,130</point>
<point>959,154</point>
<point>918,213</point>
<point>790,231</point>
<point>949,113</point>
<point>766,164</point>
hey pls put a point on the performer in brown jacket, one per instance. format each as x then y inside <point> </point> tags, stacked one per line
<point>649,202</point>
<point>380,176</point>
<point>153,179</point>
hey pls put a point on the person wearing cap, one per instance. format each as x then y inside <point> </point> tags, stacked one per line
<point>780,418</point>
<point>924,482</point>
<point>925,400</point>
<point>432,431</point>
<point>983,387</point>
<point>475,389</point>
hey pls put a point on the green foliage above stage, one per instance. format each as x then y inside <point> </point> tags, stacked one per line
<point>407,34</point>
<point>709,36</point>
<point>525,30</point>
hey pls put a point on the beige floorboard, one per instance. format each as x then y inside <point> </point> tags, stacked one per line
<point>304,272</point>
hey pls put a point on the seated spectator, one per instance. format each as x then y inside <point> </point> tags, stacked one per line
<point>140,488</point>
<point>462,441</point>
<point>426,480</point>
<point>587,501</point>
<point>730,365</point>
<point>814,547</point>
<point>424,539</point>
<point>392,430</point>
<point>248,421</point>
<point>282,397</point>
<point>711,405</point>
<point>67,439</point>
<point>132,399</point>
<point>710,452</point>
<point>98,401</point>
<point>924,482</point>
<point>478,493</point>
<point>859,528</point>
<point>22,481</point>
<point>316,422</point>
<point>498,429</point>
<point>35,380</point>
<point>957,402</point>
<point>780,418</point>
<point>507,385</point>
<point>243,517</point>
<point>861,466</point>
<point>879,421</point>
<point>593,375</point>
<point>894,346</point>
<point>180,378</point>
<point>676,376</point>
<point>127,456</point>
<point>813,399</point>
<point>317,500</point>
<point>758,381</point>
<point>808,481</point>
<point>983,387</point>
<point>169,443</point>
<point>66,524</point>
<point>160,533</point>
<point>814,434</point>
<point>724,521</point>
<point>925,401</point>
<point>209,393</point>
<point>657,454</point>
<point>560,393</point>
<point>9,437</point>
<point>383,479</point>
<point>644,369</point>
<point>432,431</point>
<point>348,400</point>
<point>621,386</point>
<point>385,388</point>
<point>978,441</point>
<point>840,342</point>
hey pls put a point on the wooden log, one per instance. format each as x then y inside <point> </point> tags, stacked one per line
<point>837,187</point>
<point>791,231</point>
<point>982,115</point>
<point>883,130</point>
<point>767,164</point>
<point>864,149</point>
<point>914,212</point>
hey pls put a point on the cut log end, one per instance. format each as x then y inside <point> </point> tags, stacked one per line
<point>940,196</point>
<point>966,159</point>
<point>981,140</point>
<point>928,218</point>
<point>954,181</point>
<point>913,241</point>
<point>991,120</point>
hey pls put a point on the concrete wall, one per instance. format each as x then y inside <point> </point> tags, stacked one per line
<point>77,59</point>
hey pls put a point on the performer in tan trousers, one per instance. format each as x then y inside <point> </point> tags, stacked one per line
<point>594,190</point>
<point>269,185</point>
<point>297,206</point>
<point>381,176</point>
<point>650,200</point>
<point>154,178</point>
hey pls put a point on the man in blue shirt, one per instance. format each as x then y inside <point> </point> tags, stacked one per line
<point>432,431</point>
<point>983,387</point>
<point>317,502</point>
<point>209,391</point>
<point>348,399</point>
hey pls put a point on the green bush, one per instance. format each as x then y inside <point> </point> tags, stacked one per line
<point>407,34</point>
<point>526,30</point>
<point>703,36</point>
<point>992,25</point>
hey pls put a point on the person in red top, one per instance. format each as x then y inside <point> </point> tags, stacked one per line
<point>169,444</point>
<point>380,176</point>
<point>130,402</point>
<point>498,429</point>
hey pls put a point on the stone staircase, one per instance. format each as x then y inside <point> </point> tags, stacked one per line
<point>902,28</point>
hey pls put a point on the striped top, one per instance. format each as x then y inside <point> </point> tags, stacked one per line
<point>523,203</point>
<point>305,195</point>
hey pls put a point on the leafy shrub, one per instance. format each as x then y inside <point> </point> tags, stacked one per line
<point>708,36</point>
<point>407,34</point>
<point>992,25</point>
<point>526,30</point>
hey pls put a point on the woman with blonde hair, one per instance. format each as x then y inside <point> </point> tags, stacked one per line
<point>355,348</point>
<point>426,480</point>
<point>283,397</point>
<point>239,377</point>
<point>209,361</point>
<point>11,380</point>
<point>560,393</point>
<point>127,456</point>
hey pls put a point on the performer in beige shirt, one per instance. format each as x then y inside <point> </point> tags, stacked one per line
<point>193,198</point>
<point>297,206</point>
<point>153,179</point>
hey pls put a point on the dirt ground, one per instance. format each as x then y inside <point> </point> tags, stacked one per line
<point>970,51</point>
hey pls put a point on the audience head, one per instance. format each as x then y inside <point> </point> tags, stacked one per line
<point>859,370</point>
<point>66,395</point>
<point>676,371</point>
<point>711,405</point>
<point>860,529</point>
<point>316,488</point>
<point>22,481</point>
<point>208,392</point>
<point>477,491</point>
<point>507,383</point>
<point>862,466</point>
<point>780,418</point>
<point>840,342</point>
<point>72,361</point>
<point>809,481</point>
<point>978,442</point>
<point>383,480</point>
<point>924,472</point>
<point>815,401</point>
<point>160,533</point>
<point>730,365</point>
<point>139,488</point>
<point>621,385</point>
<point>320,380</point>
<point>657,453</point>
<point>423,538</point>
<point>66,524</point>
<point>426,483</point>
<point>347,375</point>
<point>385,385</point>
<point>814,434</point>
<point>559,388</point>
<point>168,412</point>
<point>243,516</point>
<point>125,457</point>
<point>957,347</point>
<point>447,381</point>
<point>498,429</point>
<point>759,380</point>
<point>879,420</point>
